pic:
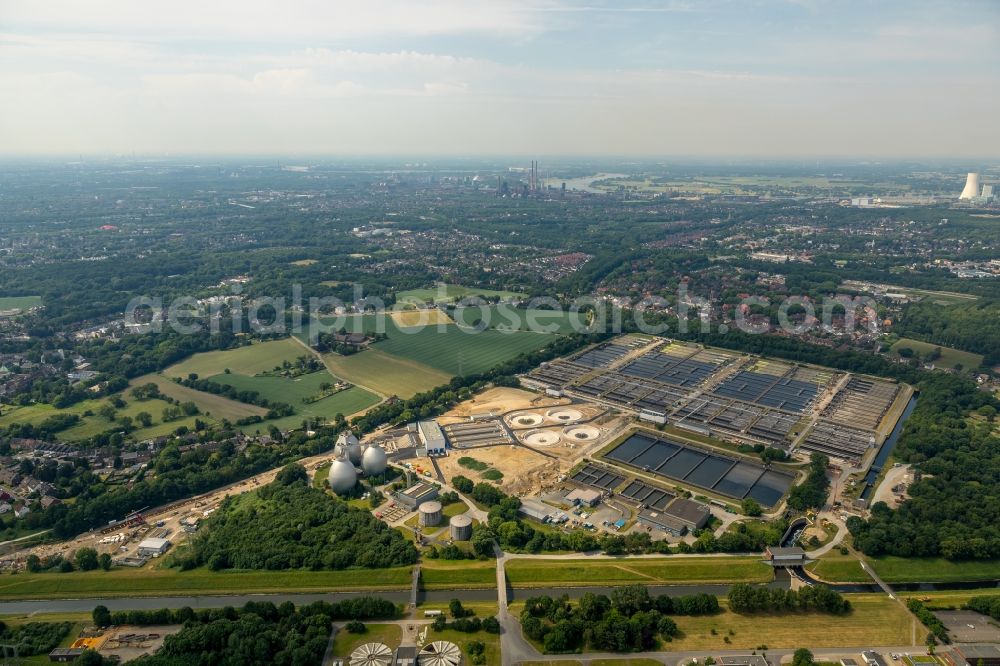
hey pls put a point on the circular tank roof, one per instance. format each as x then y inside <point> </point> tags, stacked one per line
<point>460,520</point>
<point>430,507</point>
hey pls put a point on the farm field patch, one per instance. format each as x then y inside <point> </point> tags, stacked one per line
<point>249,360</point>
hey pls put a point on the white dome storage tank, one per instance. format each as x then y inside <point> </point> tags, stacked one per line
<point>343,476</point>
<point>430,514</point>
<point>348,444</point>
<point>460,527</point>
<point>374,461</point>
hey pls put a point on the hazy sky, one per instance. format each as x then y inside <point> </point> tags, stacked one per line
<point>770,78</point>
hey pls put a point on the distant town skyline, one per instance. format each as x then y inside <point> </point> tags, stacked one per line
<point>789,78</point>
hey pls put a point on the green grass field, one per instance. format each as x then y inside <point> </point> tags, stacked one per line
<point>249,360</point>
<point>387,374</point>
<point>19,302</point>
<point>96,424</point>
<point>491,641</point>
<point>905,570</point>
<point>458,574</point>
<point>444,293</point>
<point>217,406</point>
<point>949,357</point>
<point>567,572</point>
<point>170,582</point>
<point>507,317</point>
<point>875,620</point>
<point>457,352</point>
<point>345,642</point>
<point>294,390</point>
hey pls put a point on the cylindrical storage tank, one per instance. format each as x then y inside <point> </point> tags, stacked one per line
<point>460,527</point>
<point>430,514</point>
<point>342,477</point>
<point>374,460</point>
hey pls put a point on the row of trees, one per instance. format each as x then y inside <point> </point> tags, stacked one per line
<point>744,598</point>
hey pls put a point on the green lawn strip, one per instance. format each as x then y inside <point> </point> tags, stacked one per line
<point>167,582</point>
<point>538,573</point>
<point>458,574</point>
<point>454,509</point>
<point>906,570</point>
<point>345,642</point>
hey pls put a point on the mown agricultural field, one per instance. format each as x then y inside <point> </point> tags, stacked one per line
<point>387,374</point>
<point>456,351</point>
<point>249,360</point>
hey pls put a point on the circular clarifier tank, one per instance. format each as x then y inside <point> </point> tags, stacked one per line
<point>563,415</point>
<point>542,438</point>
<point>581,433</point>
<point>526,419</point>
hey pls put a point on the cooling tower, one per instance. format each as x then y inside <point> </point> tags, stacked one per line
<point>971,187</point>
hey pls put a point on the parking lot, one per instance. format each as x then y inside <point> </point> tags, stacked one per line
<point>970,627</point>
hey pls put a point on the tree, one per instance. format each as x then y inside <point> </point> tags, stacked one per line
<point>105,561</point>
<point>457,610</point>
<point>356,627</point>
<point>802,657</point>
<point>86,559</point>
<point>751,507</point>
<point>144,418</point>
<point>101,616</point>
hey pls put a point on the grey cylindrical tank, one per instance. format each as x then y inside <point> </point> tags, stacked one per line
<point>343,476</point>
<point>430,514</point>
<point>460,527</point>
<point>374,460</point>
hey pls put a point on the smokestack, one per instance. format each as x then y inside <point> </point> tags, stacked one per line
<point>971,187</point>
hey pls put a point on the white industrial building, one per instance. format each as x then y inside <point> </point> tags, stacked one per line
<point>153,547</point>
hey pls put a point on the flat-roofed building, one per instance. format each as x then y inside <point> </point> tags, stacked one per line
<point>743,660</point>
<point>584,496</point>
<point>432,438</point>
<point>536,510</point>
<point>976,655</point>
<point>417,494</point>
<point>785,557</point>
<point>694,515</point>
<point>153,547</point>
<point>658,520</point>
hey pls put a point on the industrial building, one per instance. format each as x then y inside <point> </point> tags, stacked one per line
<point>743,660</point>
<point>694,515</point>
<point>432,440</point>
<point>417,494</point>
<point>785,557</point>
<point>153,547</point>
<point>873,658</point>
<point>584,497</point>
<point>535,510</point>
<point>662,522</point>
<point>975,655</point>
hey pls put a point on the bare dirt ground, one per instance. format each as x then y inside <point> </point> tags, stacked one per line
<point>523,471</point>
<point>497,400</point>
<point>127,642</point>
